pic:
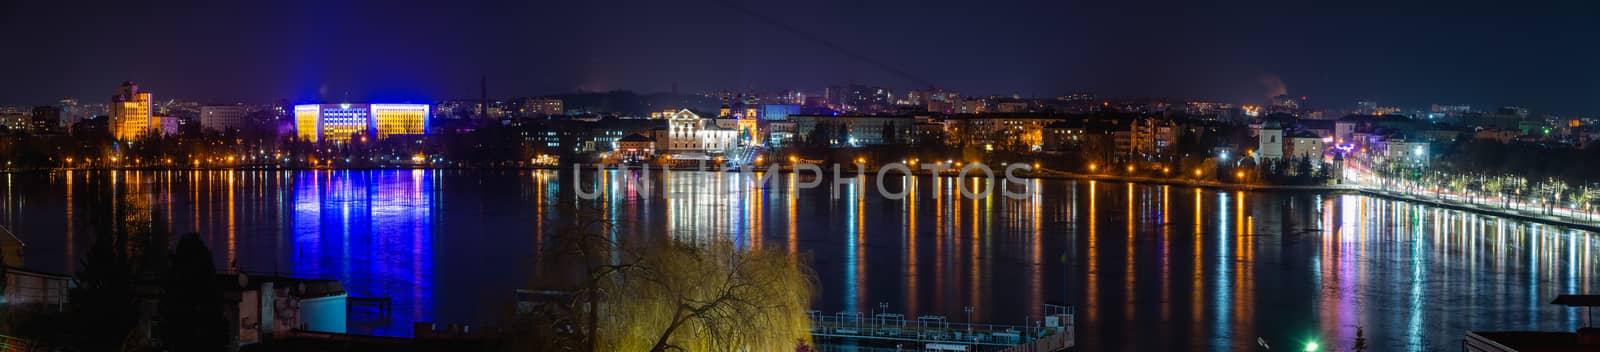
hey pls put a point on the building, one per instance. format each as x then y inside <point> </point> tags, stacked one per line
<point>859,98</point>
<point>1063,135</point>
<point>968,106</point>
<point>71,112</point>
<point>1496,134</point>
<point>1585,338</point>
<point>584,137</point>
<point>1011,107</point>
<point>46,119</point>
<point>533,107</point>
<point>636,147</point>
<point>1143,138</point>
<point>343,123</point>
<point>855,130</point>
<point>1269,141</point>
<point>256,308</point>
<point>778,112</point>
<point>780,133</point>
<point>28,291</point>
<point>1305,145</point>
<point>223,117</point>
<point>166,125</point>
<point>689,134</point>
<point>15,122</point>
<point>997,130</point>
<point>1409,154</point>
<point>399,119</point>
<point>131,113</point>
<point>923,97</point>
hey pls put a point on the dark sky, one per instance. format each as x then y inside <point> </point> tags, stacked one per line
<point>1539,55</point>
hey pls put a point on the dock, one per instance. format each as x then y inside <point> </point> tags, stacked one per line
<point>1053,332</point>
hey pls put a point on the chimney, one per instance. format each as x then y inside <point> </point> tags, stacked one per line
<point>483,102</point>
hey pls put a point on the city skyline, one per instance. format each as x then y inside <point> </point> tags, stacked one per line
<point>1404,55</point>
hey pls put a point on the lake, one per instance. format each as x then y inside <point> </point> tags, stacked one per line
<point>1148,267</point>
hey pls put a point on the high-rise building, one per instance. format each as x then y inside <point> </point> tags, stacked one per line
<point>71,113</point>
<point>131,114</point>
<point>859,98</point>
<point>343,123</point>
<point>1365,107</point>
<point>46,119</point>
<point>223,117</point>
<point>1286,102</point>
<point>13,122</point>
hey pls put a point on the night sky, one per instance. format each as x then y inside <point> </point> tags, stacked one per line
<point>1541,56</point>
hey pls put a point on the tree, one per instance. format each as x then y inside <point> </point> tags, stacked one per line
<point>666,295</point>
<point>1494,185</point>
<point>1361,340</point>
<point>103,312</point>
<point>709,298</point>
<point>191,301</point>
<point>888,134</point>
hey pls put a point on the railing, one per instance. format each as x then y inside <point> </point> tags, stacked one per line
<point>12,344</point>
<point>1055,330</point>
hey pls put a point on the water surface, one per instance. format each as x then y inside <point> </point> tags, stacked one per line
<point>1149,267</point>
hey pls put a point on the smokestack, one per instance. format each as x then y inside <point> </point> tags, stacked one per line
<point>483,98</point>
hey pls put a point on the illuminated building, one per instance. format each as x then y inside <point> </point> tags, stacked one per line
<point>779,112</point>
<point>1305,145</point>
<point>1285,103</point>
<point>1270,141</point>
<point>1408,154</point>
<point>45,119</point>
<point>859,98</point>
<point>131,115</point>
<point>541,107</point>
<point>1025,130</point>
<point>636,146</point>
<point>969,106</point>
<point>691,133</point>
<point>14,121</point>
<point>399,119</point>
<point>856,130</point>
<point>342,123</point>
<point>71,113</point>
<point>165,125</point>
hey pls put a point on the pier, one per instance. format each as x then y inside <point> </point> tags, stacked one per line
<point>1052,332</point>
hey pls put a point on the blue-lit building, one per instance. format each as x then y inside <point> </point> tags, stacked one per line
<point>779,112</point>
<point>339,123</point>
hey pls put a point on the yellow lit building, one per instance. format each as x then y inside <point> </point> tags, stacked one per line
<point>130,113</point>
<point>343,123</point>
<point>307,125</point>
<point>392,119</point>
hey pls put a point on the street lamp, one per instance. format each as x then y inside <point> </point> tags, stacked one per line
<point>968,309</point>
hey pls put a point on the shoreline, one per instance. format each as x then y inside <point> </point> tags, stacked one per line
<point>1043,174</point>
<point>1506,213</point>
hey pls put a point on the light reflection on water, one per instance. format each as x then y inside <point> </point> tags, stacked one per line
<point>1150,267</point>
